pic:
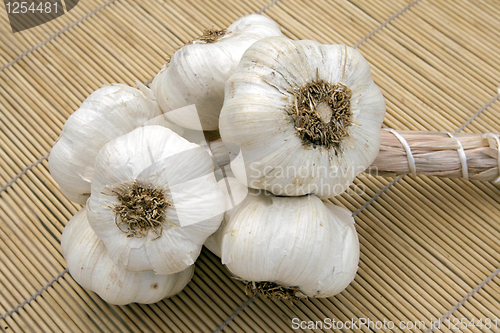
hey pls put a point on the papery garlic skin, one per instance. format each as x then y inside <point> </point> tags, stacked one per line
<point>235,194</point>
<point>90,266</point>
<point>292,241</point>
<point>197,73</point>
<point>107,113</point>
<point>160,159</point>
<point>258,116</point>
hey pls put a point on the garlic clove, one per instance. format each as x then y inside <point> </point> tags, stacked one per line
<point>93,269</point>
<point>197,73</point>
<point>154,200</point>
<point>287,146</point>
<point>107,113</point>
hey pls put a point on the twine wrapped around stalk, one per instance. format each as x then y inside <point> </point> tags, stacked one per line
<point>444,154</point>
<point>467,155</point>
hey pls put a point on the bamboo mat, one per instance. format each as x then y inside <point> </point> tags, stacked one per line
<point>430,247</point>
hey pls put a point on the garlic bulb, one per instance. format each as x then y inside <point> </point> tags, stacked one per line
<point>107,113</point>
<point>307,116</point>
<point>197,73</point>
<point>154,200</point>
<point>299,245</point>
<point>93,269</point>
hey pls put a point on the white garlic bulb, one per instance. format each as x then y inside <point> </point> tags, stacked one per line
<point>154,200</point>
<point>307,116</point>
<point>90,266</point>
<point>298,244</point>
<point>107,113</point>
<point>197,73</point>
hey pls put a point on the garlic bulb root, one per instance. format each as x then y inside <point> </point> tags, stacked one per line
<point>271,290</point>
<point>141,209</point>
<point>211,36</point>
<point>322,114</point>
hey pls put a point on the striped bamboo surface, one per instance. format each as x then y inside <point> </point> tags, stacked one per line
<point>430,247</point>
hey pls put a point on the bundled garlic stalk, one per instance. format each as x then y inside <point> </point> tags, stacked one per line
<point>444,154</point>
<point>107,113</point>
<point>91,266</point>
<point>154,200</point>
<point>197,73</point>
<point>288,246</point>
<point>307,116</point>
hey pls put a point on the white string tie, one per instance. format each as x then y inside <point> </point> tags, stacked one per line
<point>492,140</point>
<point>461,156</point>
<point>406,146</point>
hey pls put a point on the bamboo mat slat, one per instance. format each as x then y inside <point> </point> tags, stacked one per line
<point>429,247</point>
